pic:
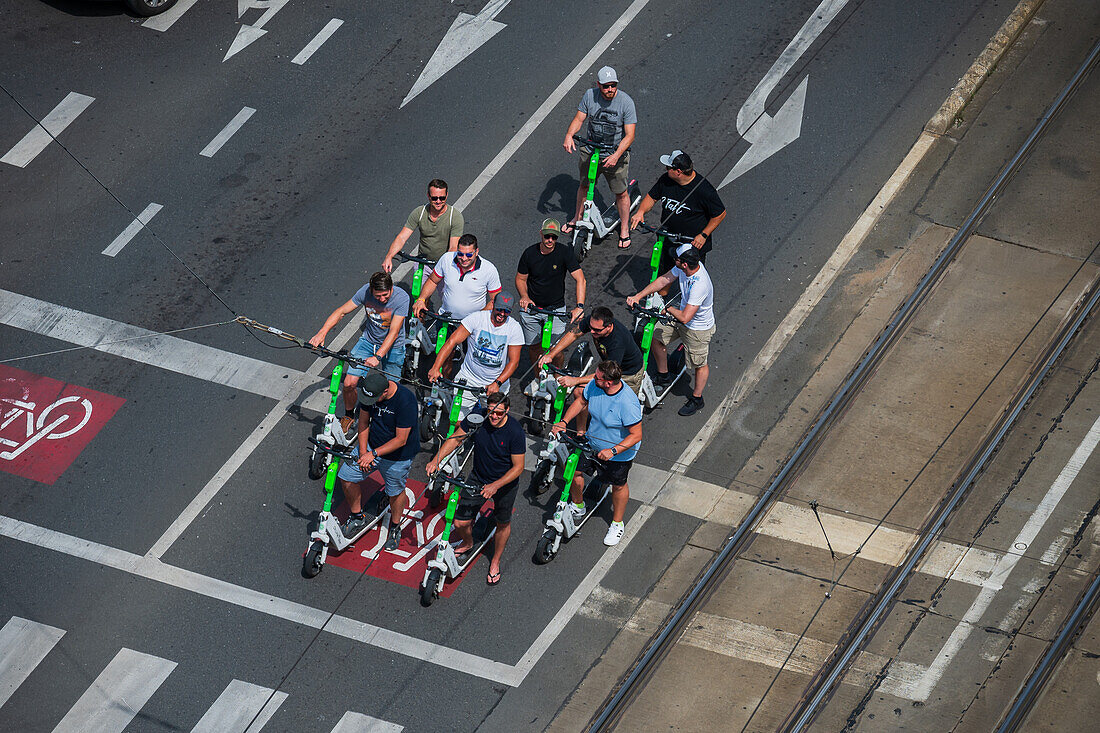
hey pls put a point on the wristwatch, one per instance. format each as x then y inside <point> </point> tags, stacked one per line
<point>580,305</point>
<point>614,450</point>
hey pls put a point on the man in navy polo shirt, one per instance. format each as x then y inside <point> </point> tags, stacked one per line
<point>387,419</point>
<point>499,446</point>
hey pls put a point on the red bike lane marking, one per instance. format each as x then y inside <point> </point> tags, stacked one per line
<point>420,534</point>
<point>46,423</point>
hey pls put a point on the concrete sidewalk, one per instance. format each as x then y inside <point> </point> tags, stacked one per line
<point>932,401</point>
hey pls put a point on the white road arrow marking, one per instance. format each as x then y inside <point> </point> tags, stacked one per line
<point>768,135</point>
<point>249,33</point>
<point>466,35</point>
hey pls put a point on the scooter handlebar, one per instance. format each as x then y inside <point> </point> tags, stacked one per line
<point>643,312</point>
<point>440,316</point>
<point>342,453</point>
<point>602,147</point>
<point>460,385</point>
<point>670,236</point>
<point>454,481</point>
<point>415,258</point>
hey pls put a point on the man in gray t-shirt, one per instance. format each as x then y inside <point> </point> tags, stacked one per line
<point>382,344</point>
<point>611,121</point>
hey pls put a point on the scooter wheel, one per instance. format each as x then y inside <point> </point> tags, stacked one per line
<point>425,426</point>
<point>311,563</point>
<point>544,550</point>
<point>541,479</point>
<point>316,463</point>
<point>536,427</point>
<point>428,592</point>
<point>579,251</point>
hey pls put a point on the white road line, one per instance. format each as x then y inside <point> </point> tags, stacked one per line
<point>152,568</point>
<point>116,696</point>
<point>547,107</point>
<point>42,134</point>
<point>165,20</point>
<point>227,132</point>
<point>148,347</point>
<point>359,723</point>
<point>311,47</point>
<point>581,592</point>
<point>23,644</point>
<point>1006,564</point>
<point>241,708</point>
<point>131,231</point>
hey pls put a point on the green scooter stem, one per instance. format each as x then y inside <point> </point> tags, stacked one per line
<point>655,258</point>
<point>330,483</point>
<point>647,341</point>
<point>418,280</point>
<point>547,332</point>
<point>334,385</point>
<point>559,402</point>
<point>449,517</point>
<point>456,410</point>
<point>568,473</point>
<point>593,169</point>
<point>440,338</point>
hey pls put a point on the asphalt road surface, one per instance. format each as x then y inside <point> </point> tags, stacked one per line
<point>126,605</point>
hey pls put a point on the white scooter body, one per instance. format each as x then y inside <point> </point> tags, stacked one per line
<point>564,525</point>
<point>647,391</point>
<point>594,224</point>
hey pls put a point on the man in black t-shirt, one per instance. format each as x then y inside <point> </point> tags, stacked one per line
<point>612,340</point>
<point>499,447</point>
<point>540,280</point>
<point>387,419</point>
<point>690,206</point>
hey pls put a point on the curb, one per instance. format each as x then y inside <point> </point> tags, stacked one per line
<point>982,67</point>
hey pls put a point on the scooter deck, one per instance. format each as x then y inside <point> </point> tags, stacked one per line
<point>331,528</point>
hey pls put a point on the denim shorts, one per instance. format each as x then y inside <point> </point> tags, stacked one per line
<point>391,366</point>
<point>394,473</point>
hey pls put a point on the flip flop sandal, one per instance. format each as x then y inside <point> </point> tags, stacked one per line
<point>624,239</point>
<point>492,578</point>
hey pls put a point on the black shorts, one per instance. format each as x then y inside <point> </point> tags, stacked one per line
<point>611,472</point>
<point>470,503</point>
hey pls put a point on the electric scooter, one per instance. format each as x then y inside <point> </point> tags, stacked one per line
<point>458,395</point>
<point>446,565</point>
<point>645,321</point>
<point>431,396</point>
<point>664,238</point>
<point>563,525</point>
<point>545,397</point>
<point>328,532</point>
<point>593,223</point>
<point>331,434</point>
<point>412,347</point>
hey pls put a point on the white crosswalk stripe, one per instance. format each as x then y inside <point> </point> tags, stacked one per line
<point>116,696</point>
<point>241,708</point>
<point>23,644</point>
<point>359,723</point>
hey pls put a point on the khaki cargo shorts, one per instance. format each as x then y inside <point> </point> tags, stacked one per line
<point>617,177</point>
<point>634,381</point>
<point>696,343</point>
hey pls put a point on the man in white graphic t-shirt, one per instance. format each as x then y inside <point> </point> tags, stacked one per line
<point>494,341</point>
<point>694,322</point>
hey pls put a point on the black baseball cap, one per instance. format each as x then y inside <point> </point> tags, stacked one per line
<point>372,387</point>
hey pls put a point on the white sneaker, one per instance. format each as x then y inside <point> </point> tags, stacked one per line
<point>614,534</point>
<point>577,509</point>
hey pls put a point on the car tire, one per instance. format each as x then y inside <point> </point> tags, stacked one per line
<point>145,8</point>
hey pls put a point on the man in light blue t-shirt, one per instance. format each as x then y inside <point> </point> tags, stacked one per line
<point>615,430</point>
<point>382,344</point>
<point>612,120</point>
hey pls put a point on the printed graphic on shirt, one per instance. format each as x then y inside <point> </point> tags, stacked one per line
<point>489,349</point>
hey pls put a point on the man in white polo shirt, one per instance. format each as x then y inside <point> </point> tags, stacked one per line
<point>494,341</point>
<point>694,322</point>
<point>469,281</point>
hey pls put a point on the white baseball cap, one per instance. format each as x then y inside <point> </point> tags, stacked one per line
<point>607,75</point>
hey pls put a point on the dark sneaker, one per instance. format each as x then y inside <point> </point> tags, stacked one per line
<point>354,524</point>
<point>394,538</point>
<point>661,380</point>
<point>692,406</point>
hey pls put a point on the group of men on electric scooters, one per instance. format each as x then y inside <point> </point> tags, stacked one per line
<point>495,326</point>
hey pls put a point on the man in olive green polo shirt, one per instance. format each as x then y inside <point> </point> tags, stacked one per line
<point>440,225</point>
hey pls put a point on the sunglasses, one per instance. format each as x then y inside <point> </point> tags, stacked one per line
<point>437,198</point>
<point>553,237</point>
<point>502,311</point>
<point>609,85</point>
<point>500,411</point>
<point>465,254</point>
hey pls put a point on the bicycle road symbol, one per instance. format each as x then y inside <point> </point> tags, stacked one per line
<point>52,423</point>
<point>46,423</point>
